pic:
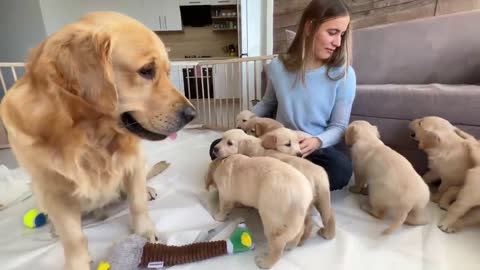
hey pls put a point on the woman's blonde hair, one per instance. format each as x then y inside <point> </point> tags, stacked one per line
<point>316,13</point>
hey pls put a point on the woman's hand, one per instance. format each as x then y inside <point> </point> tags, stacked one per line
<point>308,145</point>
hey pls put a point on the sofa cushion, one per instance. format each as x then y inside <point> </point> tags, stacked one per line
<point>441,49</point>
<point>460,104</point>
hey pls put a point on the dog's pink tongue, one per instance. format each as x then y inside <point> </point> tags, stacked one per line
<point>172,136</point>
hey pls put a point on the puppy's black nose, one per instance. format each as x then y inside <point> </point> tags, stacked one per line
<point>189,113</point>
<point>215,149</point>
<point>299,154</point>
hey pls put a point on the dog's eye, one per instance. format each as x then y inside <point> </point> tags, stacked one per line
<point>147,72</point>
<point>244,120</point>
<point>288,144</point>
<point>229,143</point>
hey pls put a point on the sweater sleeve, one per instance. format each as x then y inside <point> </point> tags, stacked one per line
<point>267,106</point>
<point>342,109</point>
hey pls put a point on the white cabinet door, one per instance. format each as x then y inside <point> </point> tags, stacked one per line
<point>169,18</point>
<point>194,2</point>
<point>223,2</point>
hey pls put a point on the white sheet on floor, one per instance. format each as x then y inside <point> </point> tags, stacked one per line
<point>182,211</point>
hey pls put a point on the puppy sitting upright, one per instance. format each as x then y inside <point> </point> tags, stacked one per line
<point>394,186</point>
<point>448,158</point>
<point>468,197</point>
<point>281,194</point>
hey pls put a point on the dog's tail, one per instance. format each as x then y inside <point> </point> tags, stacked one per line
<point>323,205</point>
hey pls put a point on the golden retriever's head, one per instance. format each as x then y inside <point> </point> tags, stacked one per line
<point>230,143</point>
<point>283,140</point>
<point>111,65</point>
<point>242,118</point>
<point>430,131</point>
<point>358,129</point>
<point>258,126</point>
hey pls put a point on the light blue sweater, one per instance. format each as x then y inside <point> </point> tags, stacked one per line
<point>320,107</point>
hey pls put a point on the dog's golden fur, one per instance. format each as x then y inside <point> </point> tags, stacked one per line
<point>448,158</point>
<point>75,119</point>
<point>394,187</point>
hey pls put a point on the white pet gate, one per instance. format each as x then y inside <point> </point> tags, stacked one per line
<point>219,89</point>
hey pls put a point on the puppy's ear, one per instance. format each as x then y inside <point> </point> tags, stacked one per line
<point>377,132</point>
<point>84,68</point>
<point>464,135</point>
<point>429,140</point>
<point>259,129</point>
<point>269,141</point>
<point>350,136</point>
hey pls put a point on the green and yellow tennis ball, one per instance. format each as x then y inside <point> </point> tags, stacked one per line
<point>34,218</point>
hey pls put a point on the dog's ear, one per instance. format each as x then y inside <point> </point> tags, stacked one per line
<point>84,68</point>
<point>464,135</point>
<point>269,141</point>
<point>259,129</point>
<point>377,132</point>
<point>350,135</point>
<point>429,140</point>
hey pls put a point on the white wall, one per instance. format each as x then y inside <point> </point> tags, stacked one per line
<point>56,13</point>
<point>21,28</point>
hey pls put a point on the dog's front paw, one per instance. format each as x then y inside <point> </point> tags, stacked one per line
<point>151,193</point>
<point>445,227</point>
<point>145,227</point>
<point>263,261</point>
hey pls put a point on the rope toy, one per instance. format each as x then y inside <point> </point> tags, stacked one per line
<point>136,253</point>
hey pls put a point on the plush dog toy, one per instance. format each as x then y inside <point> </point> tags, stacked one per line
<point>136,253</point>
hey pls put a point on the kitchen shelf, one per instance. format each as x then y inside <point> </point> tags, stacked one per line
<point>224,29</point>
<point>224,17</point>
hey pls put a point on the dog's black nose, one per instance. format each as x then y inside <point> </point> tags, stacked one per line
<point>189,113</point>
<point>299,154</point>
<point>215,149</point>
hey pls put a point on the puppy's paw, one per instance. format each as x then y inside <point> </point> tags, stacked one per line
<point>145,227</point>
<point>443,205</point>
<point>326,234</point>
<point>151,193</point>
<point>445,227</point>
<point>263,261</point>
<point>220,217</point>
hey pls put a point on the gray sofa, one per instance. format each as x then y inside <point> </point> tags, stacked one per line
<point>417,68</point>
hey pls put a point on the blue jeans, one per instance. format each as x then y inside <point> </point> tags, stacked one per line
<point>337,165</point>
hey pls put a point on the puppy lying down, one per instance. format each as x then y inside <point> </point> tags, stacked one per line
<point>394,186</point>
<point>282,144</point>
<point>281,194</point>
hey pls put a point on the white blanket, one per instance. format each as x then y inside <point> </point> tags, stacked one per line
<point>182,211</point>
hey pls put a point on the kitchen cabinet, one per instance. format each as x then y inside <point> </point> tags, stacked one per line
<point>170,18</point>
<point>194,2</point>
<point>223,2</point>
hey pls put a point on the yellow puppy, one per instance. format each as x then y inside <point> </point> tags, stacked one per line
<point>394,186</point>
<point>281,194</point>
<point>242,118</point>
<point>448,158</point>
<point>468,197</point>
<point>258,126</point>
<point>237,142</point>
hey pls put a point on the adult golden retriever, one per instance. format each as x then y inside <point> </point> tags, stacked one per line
<point>91,91</point>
